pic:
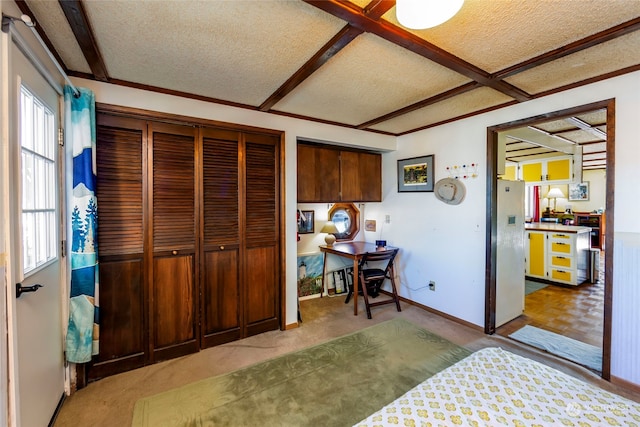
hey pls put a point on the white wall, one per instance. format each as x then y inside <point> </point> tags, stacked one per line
<point>447,243</point>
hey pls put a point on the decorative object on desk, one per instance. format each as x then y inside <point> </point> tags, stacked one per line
<point>381,243</point>
<point>329,228</point>
<point>310,268</point>
<point>415,174</point>
<point>306,222</point>
<point>554,194</point>
<point>450,191</point>
<point>579,192</point>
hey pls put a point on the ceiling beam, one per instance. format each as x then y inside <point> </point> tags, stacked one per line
<point>373,10</point>
<point>401,37</point>
<point>585,43</point>
<point>421,104</point>
<point>79,22</point>
<point>333,46</point>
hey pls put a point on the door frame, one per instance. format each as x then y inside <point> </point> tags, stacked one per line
<point>491,217</point>
<point>10,271</point>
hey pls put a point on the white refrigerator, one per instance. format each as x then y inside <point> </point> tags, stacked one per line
<point>510,256</point>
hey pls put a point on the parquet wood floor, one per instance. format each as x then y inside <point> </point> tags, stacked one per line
<point>573,311</point>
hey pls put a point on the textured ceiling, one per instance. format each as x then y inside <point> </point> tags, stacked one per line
<point>345,62</point>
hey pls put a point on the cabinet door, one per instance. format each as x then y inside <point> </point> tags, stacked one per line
<point>119,162</point>
<point>510,173</point>
<point>532,172</point>
<point>221,238</point>
<point>173,293</point>
<point>536,254</point>
<point>559,170</point>
<point>261,270</point>
<point>318,174</point>
<point>360,176</point>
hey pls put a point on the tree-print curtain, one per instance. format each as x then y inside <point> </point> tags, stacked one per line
<point>80,143</point>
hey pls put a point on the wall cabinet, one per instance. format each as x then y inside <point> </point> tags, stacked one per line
<point>331,174</point>
<point>558,255</point>
<point>189,238</point>
<point>557,169</point>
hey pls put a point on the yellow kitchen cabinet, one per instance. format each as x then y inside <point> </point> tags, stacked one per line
<point>557,253</point>
<point>536,262</point>
<point>553,170</point>
<point>510,172</point>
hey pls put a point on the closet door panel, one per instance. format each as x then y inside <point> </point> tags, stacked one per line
<point>120,166</point>
<point>174,300</point>
<point>262,270</point>
<point>174,241</point>
<point>221,319</point>
<point>221,238</point>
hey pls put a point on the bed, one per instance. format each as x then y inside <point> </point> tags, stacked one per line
<point>495,387</point>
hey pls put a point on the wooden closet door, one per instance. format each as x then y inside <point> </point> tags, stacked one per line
<point>174,239</point>
<point>119,161</point>
<point>221,313</point>
<point>261,225</point>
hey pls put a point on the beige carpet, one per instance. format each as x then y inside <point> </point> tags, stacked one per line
<point>110,401</point>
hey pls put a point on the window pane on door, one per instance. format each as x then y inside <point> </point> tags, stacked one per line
<point>38,148</point>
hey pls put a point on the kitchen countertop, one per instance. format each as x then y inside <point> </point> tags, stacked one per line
<point>550,226</point>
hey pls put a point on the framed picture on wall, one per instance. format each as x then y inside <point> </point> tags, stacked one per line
<point>415,174</point>
<point>305,222</point>
<point>579,192</point>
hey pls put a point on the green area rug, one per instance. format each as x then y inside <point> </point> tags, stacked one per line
<point>337,383</point>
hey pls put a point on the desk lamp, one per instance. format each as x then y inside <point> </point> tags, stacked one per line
<point>329,228</point>
<point>554,193</point>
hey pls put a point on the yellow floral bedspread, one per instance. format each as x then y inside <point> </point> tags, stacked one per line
<point>494,387</point>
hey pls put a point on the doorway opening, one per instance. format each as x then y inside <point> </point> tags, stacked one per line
<point>600,293</point>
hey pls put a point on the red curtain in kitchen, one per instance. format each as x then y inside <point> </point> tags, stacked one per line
<point>536,204</point>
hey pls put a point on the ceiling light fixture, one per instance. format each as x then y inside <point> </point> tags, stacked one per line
<point>421,14</point>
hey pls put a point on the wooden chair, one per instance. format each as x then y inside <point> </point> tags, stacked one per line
<point>371,279</point>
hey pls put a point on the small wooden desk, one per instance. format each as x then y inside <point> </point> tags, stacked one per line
<point>354,251</point>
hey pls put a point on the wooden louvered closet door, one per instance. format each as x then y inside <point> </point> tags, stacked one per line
<point>174,257</point>
<point>261,202</point>
<point>120,191</point>
<point>189,239</point>
<point>221,244</point>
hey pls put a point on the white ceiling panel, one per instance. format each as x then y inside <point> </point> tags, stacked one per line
<point>238,51</point>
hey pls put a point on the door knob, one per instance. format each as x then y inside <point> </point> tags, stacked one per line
<point>22,289</point>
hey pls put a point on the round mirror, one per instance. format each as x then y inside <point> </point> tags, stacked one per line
<point>346,218</point>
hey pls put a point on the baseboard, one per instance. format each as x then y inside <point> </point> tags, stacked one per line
<point>442,314</point>
<point>291,326</point>
<point>625,384</point>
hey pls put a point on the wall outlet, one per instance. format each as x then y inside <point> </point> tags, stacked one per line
<point>432,285</point>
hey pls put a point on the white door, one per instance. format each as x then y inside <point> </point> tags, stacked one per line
<point>36,361</point>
